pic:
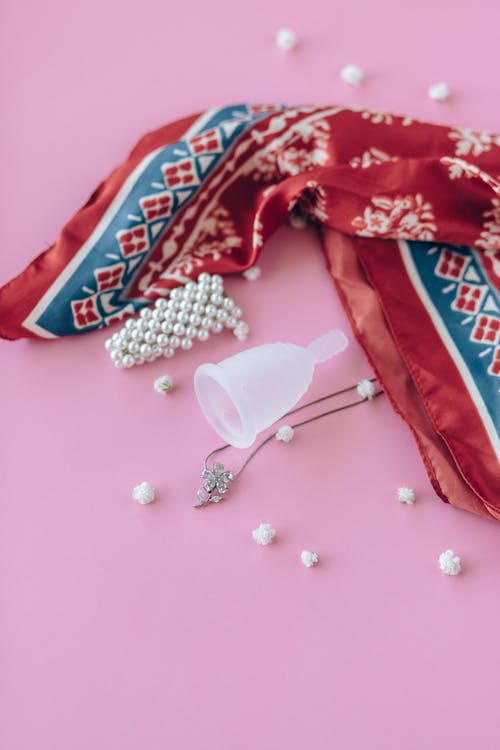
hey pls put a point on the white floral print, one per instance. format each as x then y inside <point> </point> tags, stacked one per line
<point>473,142</point>
<point>276,160</point>
<point>370,157</point>
<point>257,238</point>
<point>406,217</point>
<point>217,237</point>
<point>384,118</point>
<point>490,236</point>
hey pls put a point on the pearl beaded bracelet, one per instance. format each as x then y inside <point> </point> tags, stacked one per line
<point>190,312</point>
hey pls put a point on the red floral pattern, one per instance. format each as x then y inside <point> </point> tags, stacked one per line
<point>408,217</point>
<point>358,174</point>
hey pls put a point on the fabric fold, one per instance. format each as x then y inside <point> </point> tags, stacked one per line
<point>410,220</point>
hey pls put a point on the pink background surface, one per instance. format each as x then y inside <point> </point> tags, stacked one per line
<point>143,628</point>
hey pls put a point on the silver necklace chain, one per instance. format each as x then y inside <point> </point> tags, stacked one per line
<point>217,478</point>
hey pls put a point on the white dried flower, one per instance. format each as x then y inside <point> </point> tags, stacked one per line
<point>252,274</point>
<point>309,558</point>
<point>241,330</point>
<point>144,493</point>
<point>285,433</point>
<point>366,389</point>
<point>439,92</point>
<point>450,563</point>
<point>352,74</point>
<point>286,39</point>
<point>264,534</point>
<point>406,495</point>
<point>163,384</point>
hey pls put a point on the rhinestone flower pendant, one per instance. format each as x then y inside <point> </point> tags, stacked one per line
<point>215,484</point>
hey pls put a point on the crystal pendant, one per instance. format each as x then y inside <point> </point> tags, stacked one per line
<point>215,485</point>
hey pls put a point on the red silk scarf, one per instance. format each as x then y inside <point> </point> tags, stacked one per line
<point>409,215</point>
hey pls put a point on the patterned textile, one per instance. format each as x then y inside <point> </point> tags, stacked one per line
<point>409,215</point>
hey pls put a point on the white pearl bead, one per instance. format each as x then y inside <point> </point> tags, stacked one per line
<point>190,332</point>
<point>145,313</point>
<point>203,277</point>
<point>194,320</point>
<point>142,325</point>
<point>167,327</point>
<point>186,344</point>
<point>115,338</point>
<point>241,331</point>
<point>136,334</point>
<point>237,312</point>
<point>222,315</point>
<point>163,339</point>
<point>183,316</point>
<point>118,363</point>
<point>176,292</point>
<point>216,299</point>
<point>216,326</point>
<point>231,322</point>
<point>133,347</point>
<point>216,280</point>
<point>108,345</point>
<point>157,351</point>
<point>203,335</point>
<point>205,322</point>
<point>202,297</point>
<point>149,337</point>
<point>116,356</point>
<point>228,303</point>
<point>130,323</point>
<point>179,329</point>
<point>161,303</point>
<point>175,342</point>
<point>210,311</point>
<point>198,307</point>
<point>145,350</point>
<point>128,360</point>
<point>186,305</point>
<point>139,360</point>
<point>168,352</point>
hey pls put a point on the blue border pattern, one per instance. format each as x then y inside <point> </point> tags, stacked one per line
<point>57,319</point>
<point>451,273</point>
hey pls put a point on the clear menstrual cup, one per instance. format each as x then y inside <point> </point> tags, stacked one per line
<point>246,393</point>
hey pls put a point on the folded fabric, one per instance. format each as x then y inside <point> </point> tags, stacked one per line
<point>409,215</point>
